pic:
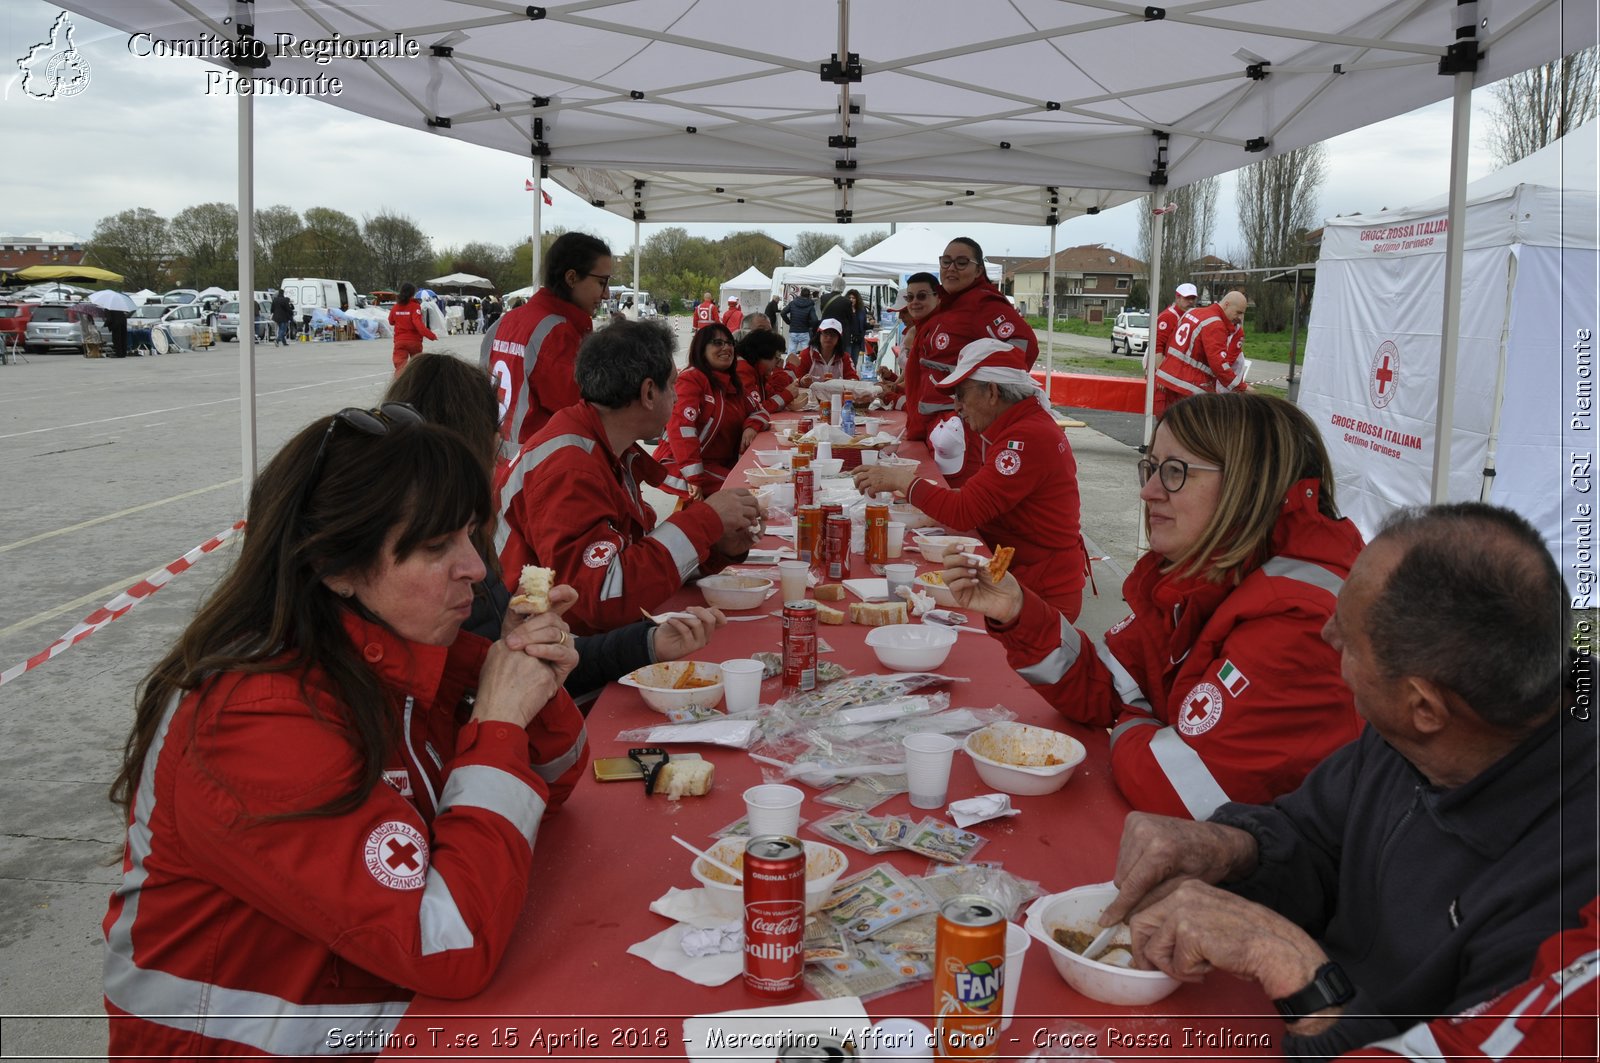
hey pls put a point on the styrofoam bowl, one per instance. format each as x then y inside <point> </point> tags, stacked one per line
<point>1078,909</point>
<point>656,683</point>
<point>827,466</point>
<point>911,647</point>
<point>1018,758</point>
<point>910,516</point>
<point>941,593</point>
<point>726,591</point>
<point>763,477</point>
<point>934,547</point>
<point>774,459</point>
<point>824,865</point>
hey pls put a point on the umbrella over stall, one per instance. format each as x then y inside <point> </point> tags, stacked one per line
<point>109,299</point>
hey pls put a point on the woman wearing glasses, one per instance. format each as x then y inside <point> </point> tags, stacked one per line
<point>1218,687</point>
<point>332,793</point>
<point>970,308</point>
<point>712,423</point>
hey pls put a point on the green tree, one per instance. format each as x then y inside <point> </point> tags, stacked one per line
<point>205,238</point>
<point>276,228</point>
<point>1541,105</point>
<point>332,247</point>
<point>810,246</point>
<point>1277,206</point>
<point>135,243</point>
<point>739,251</point>
<point>864,241</point>
<point>400,250</point>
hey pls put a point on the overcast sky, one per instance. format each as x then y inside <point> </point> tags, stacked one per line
<point>144,133</point>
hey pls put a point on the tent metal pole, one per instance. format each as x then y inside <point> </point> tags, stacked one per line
<point>636,300</point>
<point>538,236</point>
<point>1294,336</point>
<point>1486,488</point>
<point>247,297</point>
<point>1050,318</point>
<point>1158,223</point>
<point>1450,336</point>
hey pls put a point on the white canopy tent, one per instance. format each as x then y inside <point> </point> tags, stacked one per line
<point>910,250</point>
<point>857,95</point>
<point>1523,392</point>
<point>461,280</point>
<point>752,288</point>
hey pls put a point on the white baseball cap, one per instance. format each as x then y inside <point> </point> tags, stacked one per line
<point>1188,291</point>
<point>831,323</point>
<point>900,302</point>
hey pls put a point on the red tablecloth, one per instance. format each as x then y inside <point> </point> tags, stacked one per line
<point>607,854</point>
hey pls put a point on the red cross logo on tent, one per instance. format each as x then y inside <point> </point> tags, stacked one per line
<point>1384,381</point>
<point>1201,710</point>
<point>396,855</point>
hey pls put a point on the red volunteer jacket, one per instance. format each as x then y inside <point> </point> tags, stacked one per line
<point>809,363</point>
<point>1024,494</point>
<point>1198,359</point>
<point>979,311</point>
<point>764,396</point>
<point>532,358</point>
<point>706,314</point>
<point>1549,1016</point>
<point>733,318</point>
<point>1214,693</point>
<point>235,932</point>
<point>568,503</point>
<point>1166,325</point>
<point>702,438</point>
<point>409,325</point>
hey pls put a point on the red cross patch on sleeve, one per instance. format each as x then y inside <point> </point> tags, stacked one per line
<point>396,854</point>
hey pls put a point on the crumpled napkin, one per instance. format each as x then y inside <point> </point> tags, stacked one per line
<point>977,809</point>
<point>729,937</point>
<point>665,951</point>
<point>698,921</point>
<point>695,907</point>
<point>919,604</point>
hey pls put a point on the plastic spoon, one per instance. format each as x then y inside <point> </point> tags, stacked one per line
<point>714,862</point>
<point>1101,940</point>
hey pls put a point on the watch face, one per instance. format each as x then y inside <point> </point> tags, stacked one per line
<point>1330,987</point>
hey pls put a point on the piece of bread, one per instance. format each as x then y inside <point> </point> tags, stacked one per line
<point>829,592</point>
<point>878,614</point>
<point>533,589</point>
<point>829,615</point>
<point>1001,562</point>
<point>684,778</point>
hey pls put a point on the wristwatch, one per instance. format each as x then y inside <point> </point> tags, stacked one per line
<point>1329,988</point>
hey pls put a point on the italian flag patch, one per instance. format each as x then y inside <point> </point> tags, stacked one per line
<point>1232,680</point>
<point>1014,444</point>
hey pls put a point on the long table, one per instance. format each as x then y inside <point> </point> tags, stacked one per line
<point>567,984</point>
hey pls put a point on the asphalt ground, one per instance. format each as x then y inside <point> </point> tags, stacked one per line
<point>111,470</point>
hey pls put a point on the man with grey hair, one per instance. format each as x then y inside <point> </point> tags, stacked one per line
<point>1024,493</point>
<point>571,499</point>
<point>1416,871</point>
<point>1201,356</point>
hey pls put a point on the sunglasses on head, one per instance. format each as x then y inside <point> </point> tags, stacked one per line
<point>377,421</point>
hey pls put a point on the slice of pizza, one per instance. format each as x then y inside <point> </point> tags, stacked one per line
<point>533,589</point>
<point>1000,562</point>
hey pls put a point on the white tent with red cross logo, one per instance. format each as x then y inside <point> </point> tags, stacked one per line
<point>1524,418</point>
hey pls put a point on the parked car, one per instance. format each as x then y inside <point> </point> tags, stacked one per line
<point>147,315</point>
<point>52,328</point>
<point>184,320</point>
<point>227,320</point>
<point>14,321</point>
<point>180,295</point>
<point>1131,333</point>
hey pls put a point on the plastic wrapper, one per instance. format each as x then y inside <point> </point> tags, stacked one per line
<point>866,973</point>
<point>878,897</point>
<point>733,732</point>
<point>944,881</point>
<point>861,690</point>
<point>820,754</point>
<point>866,793</point>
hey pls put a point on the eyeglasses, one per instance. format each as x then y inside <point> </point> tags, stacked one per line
<point>603,278</point>
<point>917,297</point>
<point>1174,472</point>
<point>957,263</point>
<point>373,422</point>
<point>719,341</point>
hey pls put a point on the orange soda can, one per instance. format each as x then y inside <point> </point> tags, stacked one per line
<point>877,536</point>
<point>806,448</point>
<point>807,532</point>
<point>968,978</point>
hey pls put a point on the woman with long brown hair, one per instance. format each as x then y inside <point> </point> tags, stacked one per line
<point>332,792</point>
<point>712,423</point>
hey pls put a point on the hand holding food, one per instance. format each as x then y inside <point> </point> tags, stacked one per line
<point>1160,852</point>
<point>870,479</point>
<point>533,590</point>
<point>984,585</point>
<point>680,636</point>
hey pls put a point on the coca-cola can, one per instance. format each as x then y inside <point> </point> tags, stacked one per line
<point>805,486</point>
<point>774,915</point>
<point>800,645</point>
<point>836,533</point>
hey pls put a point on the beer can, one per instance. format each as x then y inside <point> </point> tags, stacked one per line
<point>774,914</point>
<point>800,645</point>
<point>968,978</point>
<point>805,486</point>
<point>807,532</point>
<point>877,536</point>
<point>836,533</point>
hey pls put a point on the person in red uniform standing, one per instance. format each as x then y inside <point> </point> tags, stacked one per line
<point>571,500</point>
<point>532,350</point>
<point>1218,687</point>
<point>332,794</point>
<point>1025,492</point>
<point>705,313</point>
<point>767,386</point>
<point>921,295</point>
<point>711,422</point>
<point>970,308</point>
<point>1198,358</point>
<point>1184,297</point>
<point>409,325</point>
<point>734,318</point>
<point>829,360</point>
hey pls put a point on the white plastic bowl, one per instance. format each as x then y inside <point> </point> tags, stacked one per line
<point>933,547</point>
<point>1078,909</point>
<point>1018,758</point>
<point>911,647</point>
<point>910,516</point>
<point>763,477</point>
<point>896,459</point>
<point>774,459</point>
<point>941,593</point>
<point>827,466</point>
<point>656,684</point>
<point>734,592</point>
<point>824,865</point>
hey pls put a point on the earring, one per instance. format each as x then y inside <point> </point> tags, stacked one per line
<point>348,592</point>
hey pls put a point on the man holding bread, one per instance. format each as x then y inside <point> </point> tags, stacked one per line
<point>571,500</point>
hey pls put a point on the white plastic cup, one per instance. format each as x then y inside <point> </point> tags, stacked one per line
<point>869,457</point>
<point>1017,942</point>
<point>741,684</point>
<point>871,425</point>
<point>928,760</point>
<point>899,576</point>
<point>825,450</point>
<point>792,579</point>
<point>836,412</point>
<point>897,535</point>
<point>858,537</point>
<point>774,808</point>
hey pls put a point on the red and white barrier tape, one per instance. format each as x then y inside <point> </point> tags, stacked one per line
<point>120,605</point>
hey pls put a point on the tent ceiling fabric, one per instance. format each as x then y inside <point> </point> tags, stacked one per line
<point>685,96</point>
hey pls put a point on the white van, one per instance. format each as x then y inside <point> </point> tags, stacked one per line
<point>311,293</point>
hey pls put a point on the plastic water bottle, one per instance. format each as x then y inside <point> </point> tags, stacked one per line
<point>847,416</point>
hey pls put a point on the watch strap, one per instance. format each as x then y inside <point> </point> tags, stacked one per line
<point>1330,987</point>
